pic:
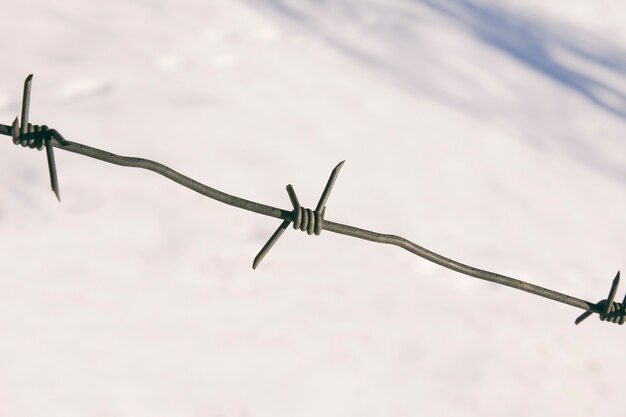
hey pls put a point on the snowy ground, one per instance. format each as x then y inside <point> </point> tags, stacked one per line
<point>491,132</point>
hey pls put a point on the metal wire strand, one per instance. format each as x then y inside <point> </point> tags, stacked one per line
<point>308,220</point>
<point>287,216</point>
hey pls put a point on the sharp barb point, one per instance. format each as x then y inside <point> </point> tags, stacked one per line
<point>612,293</point>
<point>329,186</point>
<point>583,317</point>
<point>54,182</point>
<point>293,197</point>
<point>271,241</point>
<point>15,131</point>
<point>26,103</point>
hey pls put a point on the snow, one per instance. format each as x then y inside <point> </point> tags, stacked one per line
<point>490,132</point>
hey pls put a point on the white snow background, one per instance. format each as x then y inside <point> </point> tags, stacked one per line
<point>492,132</point>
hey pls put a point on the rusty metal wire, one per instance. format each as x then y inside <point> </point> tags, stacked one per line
<point>311,221</point>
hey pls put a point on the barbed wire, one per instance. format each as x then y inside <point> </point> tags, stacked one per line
<point>305,219</point>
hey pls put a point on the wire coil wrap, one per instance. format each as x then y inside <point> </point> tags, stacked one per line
<point>307,219</point>
<point>34,138</point>
<point>616,312</point>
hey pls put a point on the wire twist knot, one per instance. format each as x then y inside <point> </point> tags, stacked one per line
<point>306,219</point>
<point>34,138</point>
<point>608,309</point>
<point>615,313</point>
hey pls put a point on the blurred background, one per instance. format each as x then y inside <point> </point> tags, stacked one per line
<point>492,132</point>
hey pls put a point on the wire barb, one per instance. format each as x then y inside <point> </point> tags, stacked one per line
<point>311,221</point>
<point>36,137</point>
<point>608,309</point>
